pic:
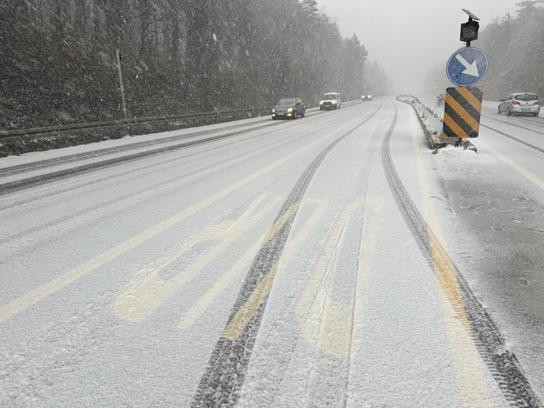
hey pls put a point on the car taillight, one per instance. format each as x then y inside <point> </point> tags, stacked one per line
<point>515,102</point>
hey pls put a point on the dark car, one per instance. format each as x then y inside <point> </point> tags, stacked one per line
<point>367,97</point>
<point>289,108</point>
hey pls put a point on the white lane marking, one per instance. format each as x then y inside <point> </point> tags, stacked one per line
<point>517,167</point>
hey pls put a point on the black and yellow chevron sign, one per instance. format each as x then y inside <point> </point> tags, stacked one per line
<point>462,112</point>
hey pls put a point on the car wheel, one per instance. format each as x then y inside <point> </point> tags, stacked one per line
<point>508,111</point>
<point>536,114</point>
<point>273,118</point>
<point>499,110</point>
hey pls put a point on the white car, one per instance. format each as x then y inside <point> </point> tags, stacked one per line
<point>520,103</point>
<point>331,100</point>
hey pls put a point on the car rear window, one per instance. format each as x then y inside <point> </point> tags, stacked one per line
<point>286,102</point>
<point>526,97</point>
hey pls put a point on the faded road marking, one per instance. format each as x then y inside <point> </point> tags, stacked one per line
<point>469,370</point>
<point>321,319</point>
<point>47,289</point>
<point>517,167</point>
<point>149,292</point>
<point>245,313</point>
<point>211,294</point>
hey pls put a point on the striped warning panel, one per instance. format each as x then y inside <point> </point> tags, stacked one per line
<point>462,112</point>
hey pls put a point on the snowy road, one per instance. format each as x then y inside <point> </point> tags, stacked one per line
<point>328,261</point>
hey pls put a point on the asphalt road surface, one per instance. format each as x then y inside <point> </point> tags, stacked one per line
<point>330,261</point>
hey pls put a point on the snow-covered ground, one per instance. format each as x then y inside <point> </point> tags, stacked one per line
<point>494,201</point>
<point>276,268</point>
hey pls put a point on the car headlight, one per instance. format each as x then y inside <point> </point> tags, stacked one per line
<point>334,102</point>
<point>273,110</point>
<point>290,110</point>
<point>321,102</point>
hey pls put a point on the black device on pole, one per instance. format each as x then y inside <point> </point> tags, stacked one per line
<point>469,30</point>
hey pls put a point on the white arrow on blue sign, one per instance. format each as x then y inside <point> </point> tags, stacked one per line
<point>467,66</point>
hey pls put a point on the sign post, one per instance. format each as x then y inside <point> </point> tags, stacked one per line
<point>121,84</point>
<point>466,68</point>
<point>462,111</point>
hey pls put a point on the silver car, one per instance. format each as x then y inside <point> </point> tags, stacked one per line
<point>331,100</point>
<point>520,103</point>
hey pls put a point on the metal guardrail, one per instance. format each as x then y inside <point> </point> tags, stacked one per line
<point>155,147</point>
<point>412,101</point>
<point>4,134</point>
<point>125,122</point>
<point>20,141</point>
<point>435,143</point>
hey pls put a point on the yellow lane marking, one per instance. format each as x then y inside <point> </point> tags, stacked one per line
<point>338,342</point>
<point>47,289</point>
<point>372,225</point>
<point>294,244</point>
<point>517,167</point>
<point>313,299</point>
<point>447,279</point>
<point>454,126</point>
<point>198,309</point>
<point>244,315</point>
<point>242,318</point>
<point>330,330</point>
<point>470,375</point>
<point>149,292</point>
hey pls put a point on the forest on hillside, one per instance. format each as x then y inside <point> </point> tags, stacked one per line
<point>515,48</point>
<point>59,57</point>
<point>514,45</point>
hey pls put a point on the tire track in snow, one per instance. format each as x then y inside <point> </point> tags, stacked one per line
<point>208,148</point>
<point>174,181</point>
<point>490,343</point>
<point>229,361</point>
<point>45,178</point>
<point>516,139</point>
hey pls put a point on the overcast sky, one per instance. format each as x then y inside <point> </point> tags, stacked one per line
<point>407,37</point>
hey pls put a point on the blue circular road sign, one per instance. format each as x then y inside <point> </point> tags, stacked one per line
<point>467,66</point>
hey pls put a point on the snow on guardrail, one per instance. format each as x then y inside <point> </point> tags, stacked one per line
<point>430,129</point>
<point>431,122</point>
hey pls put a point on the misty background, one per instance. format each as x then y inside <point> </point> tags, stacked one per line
<point>410,37</point>
<point>59,61</point>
